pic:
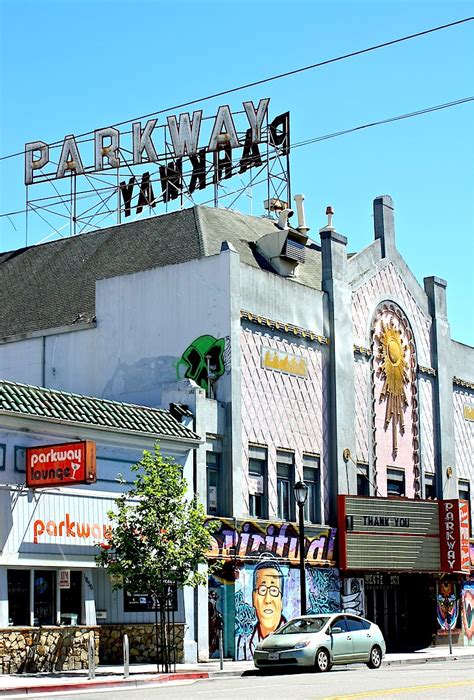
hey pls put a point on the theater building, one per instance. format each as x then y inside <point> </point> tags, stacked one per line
<point>298,360</point>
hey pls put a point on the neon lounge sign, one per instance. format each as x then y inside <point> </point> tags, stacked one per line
<point>169,145</point>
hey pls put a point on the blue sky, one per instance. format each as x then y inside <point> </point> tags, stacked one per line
<point>68,67</point>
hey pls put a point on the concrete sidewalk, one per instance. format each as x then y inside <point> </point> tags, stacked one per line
<point>146,674</point>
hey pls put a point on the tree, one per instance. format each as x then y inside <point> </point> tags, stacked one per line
<point>159,536</point>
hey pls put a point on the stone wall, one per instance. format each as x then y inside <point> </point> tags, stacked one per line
<point>142,642</point>
<point>34,649</point>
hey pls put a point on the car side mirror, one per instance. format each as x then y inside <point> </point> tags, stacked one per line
<point>336,630</point>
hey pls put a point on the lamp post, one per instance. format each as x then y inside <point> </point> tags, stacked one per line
<point>301,493</point>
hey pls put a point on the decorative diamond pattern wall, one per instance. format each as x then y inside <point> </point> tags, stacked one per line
<point>364,300</point>
<point>282,410</point>
<point>362,390</point>
<point>427,426</point>
<point>464,435</point>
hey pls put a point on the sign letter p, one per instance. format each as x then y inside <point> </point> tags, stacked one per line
<point>35,164</point>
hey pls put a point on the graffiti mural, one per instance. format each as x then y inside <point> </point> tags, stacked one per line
<point>447,607</point>
<point>249,539</point>
<point>258,588</point>
<point>267,594</point>
<point>352,596</point>
<point>467,610</point>
<point>207,357</point>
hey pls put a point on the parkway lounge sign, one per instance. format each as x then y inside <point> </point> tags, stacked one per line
<point>191,152</point>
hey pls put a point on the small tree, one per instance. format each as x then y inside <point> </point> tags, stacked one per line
<point>159,537</point>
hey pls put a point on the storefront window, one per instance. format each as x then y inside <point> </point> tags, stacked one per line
<point>18,597</point>
<point>71,600</point>
<point>44,589</point>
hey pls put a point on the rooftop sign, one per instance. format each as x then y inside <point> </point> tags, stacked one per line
<point>60,465</point>
<point>191,152</point>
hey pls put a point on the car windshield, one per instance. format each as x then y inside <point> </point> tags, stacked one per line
<point>303,624</point>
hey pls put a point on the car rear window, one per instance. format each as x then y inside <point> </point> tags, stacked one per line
<point>354,624</point>
<point>303,624</point>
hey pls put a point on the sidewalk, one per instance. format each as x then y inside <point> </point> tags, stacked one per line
<point>145,674</point>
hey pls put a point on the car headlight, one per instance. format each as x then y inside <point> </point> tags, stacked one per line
<point>301,645</point>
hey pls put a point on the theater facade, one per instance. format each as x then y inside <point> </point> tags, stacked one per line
<point>298,360</point>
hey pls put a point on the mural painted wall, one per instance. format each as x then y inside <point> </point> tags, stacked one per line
<point>353,596</point>
<point>258,587</point>
<point>467,611</point>
<point>447,606</point>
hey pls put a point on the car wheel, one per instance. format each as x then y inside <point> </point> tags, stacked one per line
<point>322,662</point>
<point>375,660</point>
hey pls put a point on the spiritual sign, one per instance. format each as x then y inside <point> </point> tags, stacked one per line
<point>250,540</point>
<point>67,463</point>
<point>175,146</point>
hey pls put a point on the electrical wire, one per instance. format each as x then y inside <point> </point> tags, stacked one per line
<point>326,62</point>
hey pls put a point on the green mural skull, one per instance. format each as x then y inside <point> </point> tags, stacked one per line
<point>203,350</point>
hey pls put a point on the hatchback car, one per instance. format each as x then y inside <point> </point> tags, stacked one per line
<point>319,641</point>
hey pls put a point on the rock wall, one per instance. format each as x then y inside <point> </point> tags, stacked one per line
<point>142,643</point>
<point>34,649</point>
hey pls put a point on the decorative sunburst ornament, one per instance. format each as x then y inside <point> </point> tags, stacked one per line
<point>394,369</point>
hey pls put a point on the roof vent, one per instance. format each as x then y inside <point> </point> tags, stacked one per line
<point>283,217</point>
<point>299,199</point>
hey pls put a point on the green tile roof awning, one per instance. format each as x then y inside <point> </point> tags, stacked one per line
<point>60,406</point>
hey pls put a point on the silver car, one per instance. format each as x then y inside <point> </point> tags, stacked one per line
<point>319,641</point>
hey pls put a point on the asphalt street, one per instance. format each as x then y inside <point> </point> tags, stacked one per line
<point>451,680</point>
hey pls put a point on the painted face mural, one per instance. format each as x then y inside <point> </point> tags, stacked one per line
<point>467,610</point>
<point>267,598</point>
<point>267,594</point>
<point>204,357</point>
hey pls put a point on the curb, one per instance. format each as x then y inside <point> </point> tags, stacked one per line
<point>426,660</point>
<point>97,684</point>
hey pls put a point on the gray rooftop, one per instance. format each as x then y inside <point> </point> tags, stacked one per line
<point>63,407</point>
<point>53,284</point>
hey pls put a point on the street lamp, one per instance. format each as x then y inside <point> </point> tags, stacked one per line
<point>301,493</point>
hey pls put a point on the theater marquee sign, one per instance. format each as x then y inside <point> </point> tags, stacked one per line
<point>388,534</point>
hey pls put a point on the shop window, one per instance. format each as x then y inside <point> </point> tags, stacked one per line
<point>363,479</point>
<point>258,507</point>
<point>44,591</point>
<point>395,482</point>
<point>285,482</point>
<point>70,603</point>
<point>213,470</point>
<point>430,486</point>
<point>19,597</point>
<point>311,477</point>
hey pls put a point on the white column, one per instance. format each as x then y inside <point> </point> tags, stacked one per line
<point>89,616</point>
<point>3,597</point>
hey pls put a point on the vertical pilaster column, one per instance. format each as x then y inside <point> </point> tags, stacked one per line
<point>443,409</point>
<point>341,389</point>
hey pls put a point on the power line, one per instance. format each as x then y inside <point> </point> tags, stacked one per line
<point>325,137</point>
<point>270,79</point>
